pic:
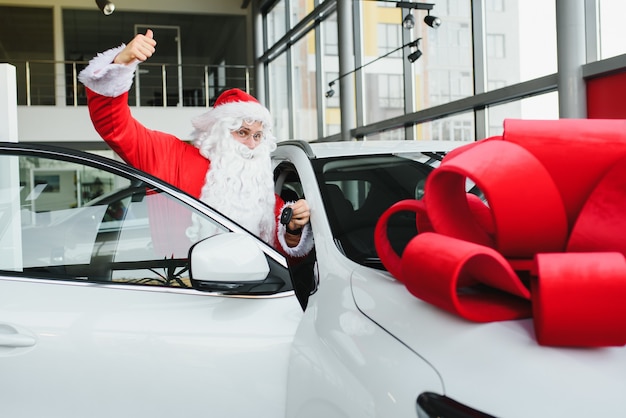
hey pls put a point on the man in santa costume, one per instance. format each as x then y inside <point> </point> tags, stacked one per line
<point>228,166</point>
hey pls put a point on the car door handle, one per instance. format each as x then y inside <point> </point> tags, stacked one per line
<point>13,336</point>
<point>16,340</point>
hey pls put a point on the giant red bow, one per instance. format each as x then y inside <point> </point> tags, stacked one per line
<point>549,243</point>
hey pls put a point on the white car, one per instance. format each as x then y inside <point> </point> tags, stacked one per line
<point>107,310</point>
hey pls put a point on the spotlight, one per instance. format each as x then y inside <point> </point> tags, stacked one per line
<point>409,21</point>
<point>432,21</point>
<point>105,6</point>
<point>330,92</point>
<point>414,56</point>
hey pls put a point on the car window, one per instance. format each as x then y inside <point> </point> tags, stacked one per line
<point>357,190</point>
<point>62,220</point>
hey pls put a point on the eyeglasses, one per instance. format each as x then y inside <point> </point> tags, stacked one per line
<point>244,133</point>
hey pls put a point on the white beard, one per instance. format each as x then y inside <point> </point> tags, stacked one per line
<point>240,185</point>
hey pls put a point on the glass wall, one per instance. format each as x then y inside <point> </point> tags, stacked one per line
<point>447,71</point>
<point>510,43</point>
<point>544,106</point>
<point>383,80</point>
<point>278,100</point>
<point>516,44</point>
<point>446,65</point>
<point>330,64</point>
<point>276,22</point>
<point>458,127</point>
<point>298,9</point>
<point>293,98</point>
<point>305,88</point>
<point>612,28</point>
<point>520,41</point>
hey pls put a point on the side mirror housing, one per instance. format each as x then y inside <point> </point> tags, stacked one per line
<point>227,263</point>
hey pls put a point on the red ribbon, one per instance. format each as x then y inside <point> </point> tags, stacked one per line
<point>549,243</point>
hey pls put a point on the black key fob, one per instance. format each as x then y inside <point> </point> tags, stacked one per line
<point>285,217</point>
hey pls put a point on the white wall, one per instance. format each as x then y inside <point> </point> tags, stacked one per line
<point>8,107</point>
<point>72,124</point>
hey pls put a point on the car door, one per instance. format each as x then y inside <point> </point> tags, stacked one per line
<point>103,314</point>
<point>343,363</point>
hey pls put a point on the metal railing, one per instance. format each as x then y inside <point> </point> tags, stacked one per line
<point>55,83</point>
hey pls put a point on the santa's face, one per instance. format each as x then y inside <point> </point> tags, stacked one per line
<point>249,134</point>
<point>240,181</point>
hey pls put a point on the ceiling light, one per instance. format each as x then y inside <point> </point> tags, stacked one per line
<point>432,21</point>
<point>330,92</point>
<point>409,21</point>
<point>105,6</point>
<point>414,56</point>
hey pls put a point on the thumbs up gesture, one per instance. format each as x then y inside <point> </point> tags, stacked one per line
<point>140,48</point>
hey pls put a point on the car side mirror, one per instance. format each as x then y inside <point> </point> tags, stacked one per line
<point>227,263</point>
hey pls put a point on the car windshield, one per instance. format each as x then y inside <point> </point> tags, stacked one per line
<point>357,190</point>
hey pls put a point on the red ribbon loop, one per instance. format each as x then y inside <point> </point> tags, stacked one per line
<point>530,213</point>
<point>471,280</point>
<point>578,299</point>
<point>390,259</point>
<point>601,224</point>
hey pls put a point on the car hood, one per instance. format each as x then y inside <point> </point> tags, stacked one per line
<point>498,367</point>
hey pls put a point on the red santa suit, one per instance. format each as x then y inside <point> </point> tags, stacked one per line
<point>184,165</point>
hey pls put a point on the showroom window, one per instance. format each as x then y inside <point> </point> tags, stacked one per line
<point>452,128</point>
<point>513,34</point>
<point>612,28</point>
<point>276,22</point>
<point>304,88</point>
<point>496,46</point>
<point>543,106</point>
<point>389,38</point>
<point>279,97</point>
<point>390,91</point>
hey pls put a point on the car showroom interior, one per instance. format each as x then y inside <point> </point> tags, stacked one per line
<point>312,208</point>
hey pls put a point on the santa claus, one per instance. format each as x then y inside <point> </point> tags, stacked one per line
<point>228,166</point>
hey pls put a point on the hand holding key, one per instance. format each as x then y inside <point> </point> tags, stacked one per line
<point>295,216</point>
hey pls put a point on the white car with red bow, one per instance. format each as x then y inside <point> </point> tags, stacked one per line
<point>107,310</point>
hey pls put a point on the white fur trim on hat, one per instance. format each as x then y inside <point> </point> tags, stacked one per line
<point>237,110</point>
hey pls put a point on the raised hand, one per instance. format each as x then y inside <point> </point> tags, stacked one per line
<point>140,48</point>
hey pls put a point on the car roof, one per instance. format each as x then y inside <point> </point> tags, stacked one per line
<point>353,148</point>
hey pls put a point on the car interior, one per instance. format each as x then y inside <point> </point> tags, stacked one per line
<point>356,193</point>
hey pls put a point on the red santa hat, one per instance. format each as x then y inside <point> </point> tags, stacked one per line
<point>234,103</point>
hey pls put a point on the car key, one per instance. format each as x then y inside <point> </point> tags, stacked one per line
<point>285,216</point>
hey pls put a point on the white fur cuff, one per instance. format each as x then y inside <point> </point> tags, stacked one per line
<point>304,246</point>
<point>106,78</point>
